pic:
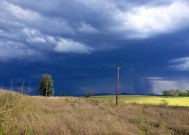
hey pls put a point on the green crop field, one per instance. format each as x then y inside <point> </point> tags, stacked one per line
<point>155,100</point>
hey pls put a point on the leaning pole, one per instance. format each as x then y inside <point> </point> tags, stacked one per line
<point>117,83</point>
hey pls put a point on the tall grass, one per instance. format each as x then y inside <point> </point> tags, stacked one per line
<point>8,104</point>
<point>77,116</point>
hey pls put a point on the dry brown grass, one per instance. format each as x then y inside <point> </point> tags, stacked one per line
<point>77,116</point>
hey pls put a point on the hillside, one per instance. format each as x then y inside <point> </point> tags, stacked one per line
<point>79,116</point>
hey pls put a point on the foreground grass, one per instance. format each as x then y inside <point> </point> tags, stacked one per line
<point>154,100</point>
<point>78,116</point>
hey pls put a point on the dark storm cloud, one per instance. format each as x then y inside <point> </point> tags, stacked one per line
<point>64,25</point>
<point>79,42</point>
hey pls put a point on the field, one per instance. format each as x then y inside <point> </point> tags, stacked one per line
<point>27,115</point>
<point>154,100</point>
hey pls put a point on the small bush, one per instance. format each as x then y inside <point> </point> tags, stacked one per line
<point>88,94</point>
<point>137,119</point>
<point>164,102</point>
<point>63,94</point>
<point>150,94</point>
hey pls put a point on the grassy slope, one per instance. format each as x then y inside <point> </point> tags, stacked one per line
<point>39,115</point>
<point>171,101</point>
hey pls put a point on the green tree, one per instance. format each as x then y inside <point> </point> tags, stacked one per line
<point>173,92</point>
<point>46,85</point>
<point>177,92</point>
<point>166,93</point>
<point>183,93</point>
<point>187,92</point>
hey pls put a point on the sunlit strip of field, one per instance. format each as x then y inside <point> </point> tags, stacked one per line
<point>157,100</point>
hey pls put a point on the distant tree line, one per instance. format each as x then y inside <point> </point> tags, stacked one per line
<point>176,93</point>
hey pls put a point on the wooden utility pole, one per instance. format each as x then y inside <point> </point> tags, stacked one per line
<point>117,83</point>
<point>11,84</point>
<point>46,86</point>
<point>23,87</point>
<point>29,86</point>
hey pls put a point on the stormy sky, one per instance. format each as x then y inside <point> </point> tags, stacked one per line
<point>79,42</point>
